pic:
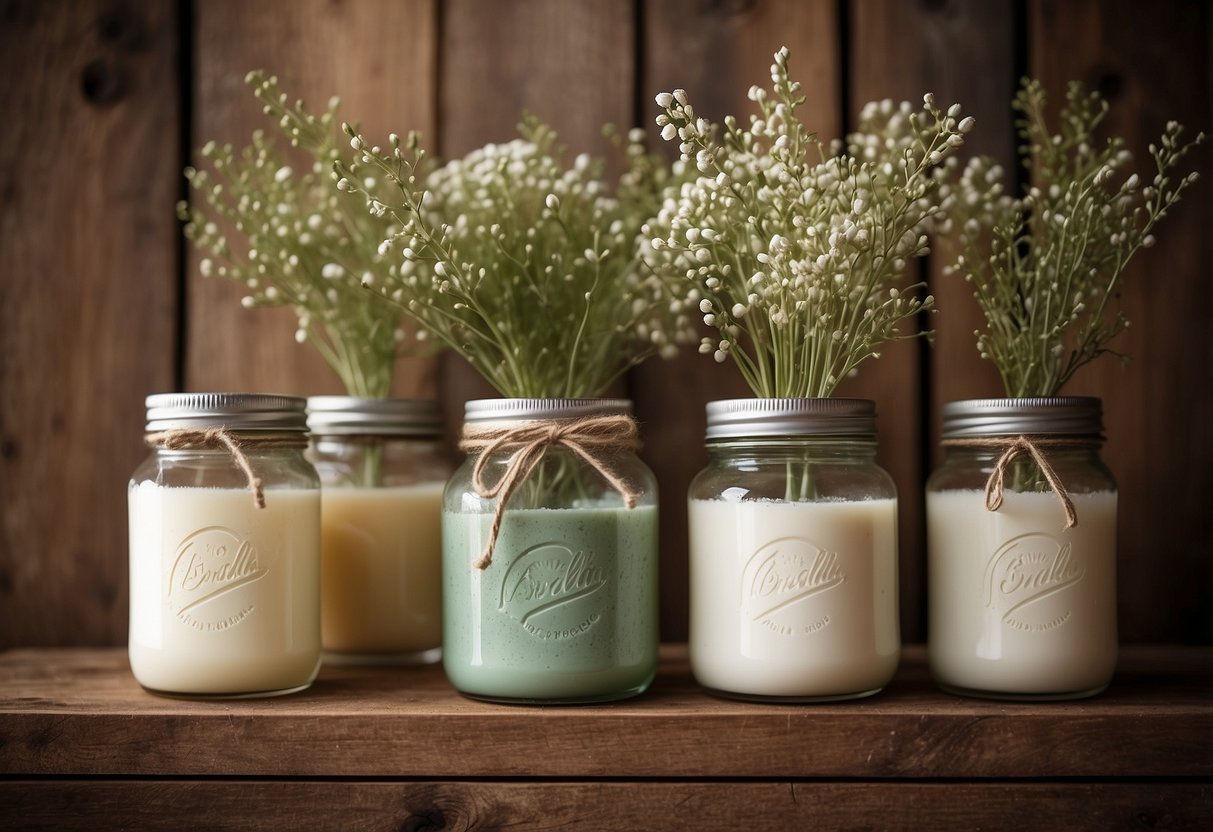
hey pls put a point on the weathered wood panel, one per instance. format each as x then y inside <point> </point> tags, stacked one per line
<point>823,807</point>
<point>715,51</point>
<point>961,52</point>
<point>80,712</point>
<point>380,57</point>
<point>89,172</point>
<point>1152,61</point>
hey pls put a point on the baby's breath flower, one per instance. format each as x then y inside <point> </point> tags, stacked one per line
<point>791,246</point>
<point>1034,261</point>
<point>301,246</point>
<point>526,266</point>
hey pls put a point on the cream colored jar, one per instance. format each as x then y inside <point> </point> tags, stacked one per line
<point>224,592</point>
<point>793,553</point>
<point>1022,604</point>
<point>382,469</point>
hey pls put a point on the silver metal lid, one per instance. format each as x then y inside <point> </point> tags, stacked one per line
<point>235,411</point>
<point>479,411</point>
<point>1067,415</point>
<point>346,415</point>
<point>746,418</point>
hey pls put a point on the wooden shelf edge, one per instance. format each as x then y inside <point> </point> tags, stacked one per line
<point>79,712</point>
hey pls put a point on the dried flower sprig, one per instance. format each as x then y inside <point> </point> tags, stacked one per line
<point>1044,266</point>
<point>794,252</point>
<point>304,245</point>
<point>523,265</point>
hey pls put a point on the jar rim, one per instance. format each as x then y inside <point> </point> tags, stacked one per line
<point>239,412</point>
<point>480,411</point>
<point>1038,416</point>
<point>776,417</point>
<point>354,415</point>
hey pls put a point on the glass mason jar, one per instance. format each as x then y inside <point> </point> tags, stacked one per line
<point>382,470</point>
<point>1022,606</point>
<point>793,553</point>
<point>567,609</point>
<point>224,592</point>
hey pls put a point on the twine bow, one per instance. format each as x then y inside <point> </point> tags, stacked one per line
<point>591,439</point>
<point>1012,448</point>
<point>221,438</point>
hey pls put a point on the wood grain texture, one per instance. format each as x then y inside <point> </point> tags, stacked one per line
<point>962,52</point>
<point>80,713</point>
<point>380,57</point>
<point>1153,64</point>
<point>823,807</point>
<point>88,247</point>
<point>715,51</point>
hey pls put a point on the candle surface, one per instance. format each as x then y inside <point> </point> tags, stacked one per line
<point>224,596</point>
<point>794,599</point>
<point>566,611</point>
<point>1018,604</point>
<point>381,578</point>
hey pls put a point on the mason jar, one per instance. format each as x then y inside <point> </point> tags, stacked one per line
<point>382,469</point>
<point>1022,566</point>
<point>793,553</point>
<point>561,606</point>
<point>225,548</point>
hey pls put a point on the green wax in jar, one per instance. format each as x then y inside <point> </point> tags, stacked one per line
<point>566,612</point>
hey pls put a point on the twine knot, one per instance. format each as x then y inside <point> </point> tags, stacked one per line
<point>221,438</point>
<point>1013,447</point>
<point>592,439</point>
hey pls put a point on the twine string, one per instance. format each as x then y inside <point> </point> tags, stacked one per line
<point>1012,448</point>
<point>222,439</point>
<point>592,439</point>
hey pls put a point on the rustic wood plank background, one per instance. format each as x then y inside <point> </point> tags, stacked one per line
<point>101,303</point>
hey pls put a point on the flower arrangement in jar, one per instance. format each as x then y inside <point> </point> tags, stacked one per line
<point>794,253</point>
<point>526,266</point>
<point>1022,514</point>
<point>290,240</point>
<point>282,231</point>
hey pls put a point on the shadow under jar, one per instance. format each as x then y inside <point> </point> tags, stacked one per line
<point>566,612</point>
<point>1022,605</point>
<point>793,553</point>
<point>224,592</point>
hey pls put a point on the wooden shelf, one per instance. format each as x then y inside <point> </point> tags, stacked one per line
<point>73,723</point>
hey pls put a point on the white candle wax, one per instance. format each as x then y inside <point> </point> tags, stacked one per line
<point>794,599</point>
<point>224,596</point>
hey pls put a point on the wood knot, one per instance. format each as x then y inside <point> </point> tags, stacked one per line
<point>123,28</point>
<point>102,83</point>
<point>424,820</point>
